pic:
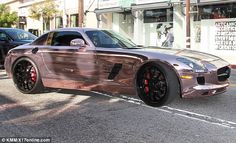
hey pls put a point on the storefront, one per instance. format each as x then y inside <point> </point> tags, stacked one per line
<point>147,22</point>
<point>163,23</point>
<point>214,29</point>
<point>154,22</point>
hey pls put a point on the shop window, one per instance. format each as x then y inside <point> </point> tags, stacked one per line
<point>22,22</point>
<point>59,23</point>
<point>158,15</point>
<point>74,20</point>
<point>216,11</point>
<point>46,25</point>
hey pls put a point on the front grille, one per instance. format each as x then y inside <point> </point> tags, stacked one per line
<point>201,80</point>
<point>223,73</point>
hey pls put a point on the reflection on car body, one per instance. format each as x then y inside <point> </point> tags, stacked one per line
<point>110,62</point>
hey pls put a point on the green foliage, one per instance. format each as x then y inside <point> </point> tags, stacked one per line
<point>35,12</point>
<point>47,9</point>
<point>7,19</point>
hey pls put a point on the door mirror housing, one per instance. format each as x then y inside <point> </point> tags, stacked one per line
<point>77,42</point>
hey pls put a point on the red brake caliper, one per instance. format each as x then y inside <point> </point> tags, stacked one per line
<point>146,83</point>
<point>33,74</point>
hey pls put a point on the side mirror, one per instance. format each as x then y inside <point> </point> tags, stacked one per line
<point>77,42</point>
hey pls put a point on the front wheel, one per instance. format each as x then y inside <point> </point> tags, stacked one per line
<point>157,84</point>
<point>26,76</point>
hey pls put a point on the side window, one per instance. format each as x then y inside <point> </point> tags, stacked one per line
<point>41,40</point>
<point>63,38</point>
<point>101,39</point>
<point>3,36</point>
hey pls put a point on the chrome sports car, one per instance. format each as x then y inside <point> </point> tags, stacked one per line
<point>102,60</point>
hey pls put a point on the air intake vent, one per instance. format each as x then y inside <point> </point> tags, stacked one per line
<point>223,73</point>
<point>201,80</point>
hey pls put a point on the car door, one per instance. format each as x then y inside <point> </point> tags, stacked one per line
<point>116,65</point>
<point>5,45</point>
<point>68,63</point>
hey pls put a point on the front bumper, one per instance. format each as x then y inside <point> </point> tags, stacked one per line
<point>210,86</point>
<point>204,84</point>
<point>205,90</point>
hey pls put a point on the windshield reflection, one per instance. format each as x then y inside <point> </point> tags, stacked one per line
<point>109,39</point>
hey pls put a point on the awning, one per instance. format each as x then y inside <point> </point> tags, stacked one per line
<point>109,10</point>
<point>208,2</point>
<point>157,5</point>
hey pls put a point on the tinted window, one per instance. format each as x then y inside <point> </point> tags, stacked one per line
<point>216,11</point>
<point>19,35</point>
<point>109,39</point>
<point>3,36</point>
<point>64,38</point>
<point>41,40</point>
<point>158,15</point>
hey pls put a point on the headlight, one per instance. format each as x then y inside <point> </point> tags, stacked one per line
<point>195,65</point>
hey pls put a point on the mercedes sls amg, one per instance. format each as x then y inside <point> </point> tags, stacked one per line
<point>102,60</point>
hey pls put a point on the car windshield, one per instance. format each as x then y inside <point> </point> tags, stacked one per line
<point>19,35</point>
<point>109,39</point>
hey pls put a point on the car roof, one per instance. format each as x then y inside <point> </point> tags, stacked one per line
<point>2,28</point>
<point>76,29</point>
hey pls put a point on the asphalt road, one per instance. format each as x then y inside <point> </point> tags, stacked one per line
<point>71,116</point>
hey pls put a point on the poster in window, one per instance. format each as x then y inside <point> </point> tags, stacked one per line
<point>218,34</point>
<point>165,37</point>
<point>225,37</point>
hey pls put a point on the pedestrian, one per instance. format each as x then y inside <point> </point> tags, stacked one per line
<point>169,38</point>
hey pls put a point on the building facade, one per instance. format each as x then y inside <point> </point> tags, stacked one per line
<point>148,22</point>
<point>67,15</point>
<point>163,23</point>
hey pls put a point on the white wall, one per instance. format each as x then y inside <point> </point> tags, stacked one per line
<point>139,37</point>
<point>179,27</point>
<point>218,37</point>
<point>90,20</point>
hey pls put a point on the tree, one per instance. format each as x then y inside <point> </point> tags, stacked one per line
<point>47,10</point>
<point>7,18</point>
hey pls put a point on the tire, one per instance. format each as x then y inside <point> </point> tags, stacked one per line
<point>26,76</point>
<point>157,84</point>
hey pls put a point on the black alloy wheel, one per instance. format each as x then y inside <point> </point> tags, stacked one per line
<point>157,85</point>
<point>26,76</point>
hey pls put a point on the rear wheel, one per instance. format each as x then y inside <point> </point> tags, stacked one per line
<point>157,84</point>
<point>26,76</point>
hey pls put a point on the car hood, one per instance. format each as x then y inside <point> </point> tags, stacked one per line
<point>208,60</point>
<point>183,53</point>
<point>170,55</point>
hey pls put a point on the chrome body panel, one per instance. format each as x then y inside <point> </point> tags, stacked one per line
<point>91,68</point>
